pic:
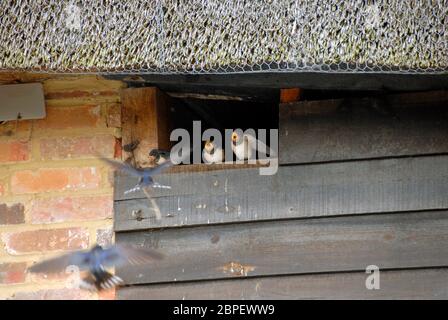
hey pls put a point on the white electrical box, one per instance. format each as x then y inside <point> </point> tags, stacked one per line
<point>22,101</point>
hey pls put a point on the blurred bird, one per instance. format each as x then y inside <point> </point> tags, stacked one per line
<point>159,156</point>
<point>245,146</point>
<point>146,181</point>
<point>145,175</point>
<point>95,263</point>
<point>212,153</point>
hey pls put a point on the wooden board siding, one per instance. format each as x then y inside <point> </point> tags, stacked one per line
<point>230,181</point>
<point>355,188</point>
<point>395,125</point>
<point>398,284</point>
<point>390,185</point>
<point>296,246</point>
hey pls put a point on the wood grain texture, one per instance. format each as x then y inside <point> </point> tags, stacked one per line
<point>383,126</point>
<point>298,246</point>
<point>184,90</point>
<point>145,119</point>
<point>387,185</point>
<point>400,284</point>
<point>305,80</point>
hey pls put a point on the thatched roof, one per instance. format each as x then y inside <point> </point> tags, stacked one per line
<point>190,36</point>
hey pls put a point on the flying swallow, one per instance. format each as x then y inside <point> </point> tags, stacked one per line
<point>145,182</point>
<point>145,175</point>
<point>95,262</point>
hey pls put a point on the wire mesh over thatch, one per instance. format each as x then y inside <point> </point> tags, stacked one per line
<point>223,36</point>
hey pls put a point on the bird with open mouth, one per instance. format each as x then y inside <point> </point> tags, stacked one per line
<point>244,146</point>
<point>212,153</point>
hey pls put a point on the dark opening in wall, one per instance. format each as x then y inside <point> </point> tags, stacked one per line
<point>226,112</point>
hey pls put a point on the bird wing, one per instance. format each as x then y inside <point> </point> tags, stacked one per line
<point>58,264</point>
<point>158,169</point>
<point>124,167</point>
<point>120,255</point>
<point>254,142</point>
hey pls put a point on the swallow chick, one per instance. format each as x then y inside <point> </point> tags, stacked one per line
<point>245,146</point>
<point>96,261</point>
<point>212,153</point>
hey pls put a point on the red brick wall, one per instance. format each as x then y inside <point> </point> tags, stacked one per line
<point>55,195</point>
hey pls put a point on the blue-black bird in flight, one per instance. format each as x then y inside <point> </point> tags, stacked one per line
<point>95,262</point>
<point>145,176</point>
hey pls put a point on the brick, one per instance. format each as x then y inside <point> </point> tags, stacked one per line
<point>54,294</point>
<point>14,151</point>
<point>13,214</point>
<point>23,242</point>
<point>13,129</point>
<point>59,276</point>
<point>104,237</point>
<point>80,147</point>
<point>79,94</point>
<point>82,83</point>
<point>55,179</point>
<point>113,116</point>
<point>107,294</point>
<point>73,117</point>
<point>118,154</point>
<point>12,272</point>
<point>71,209</point>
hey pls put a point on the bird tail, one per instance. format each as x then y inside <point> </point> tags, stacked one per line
<point>160,186</point>
<point>134,189</point>
<point>100,281</point>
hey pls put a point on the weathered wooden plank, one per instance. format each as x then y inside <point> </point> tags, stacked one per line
<point>305,80</point>
<point>145,122</point>
<point>349,243</point>
<point>400,284</point>
<point>395,125</point>
<point>313,190</point>
<point>183,90</point>
<point>241,179</point>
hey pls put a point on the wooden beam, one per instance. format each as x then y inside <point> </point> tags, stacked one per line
<point>399,284</point>
<point>213,92</point>
<point>238,195</point>
<point>201,96</point>
<point>145,123</point>
<point>304,80</point>
<point>390,125</point>
<point>300,246</point>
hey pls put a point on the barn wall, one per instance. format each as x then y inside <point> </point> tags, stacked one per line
<point>362,182</point>
<point>54,195</point>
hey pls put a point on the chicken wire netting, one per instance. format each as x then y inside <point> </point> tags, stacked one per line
<point>224,36</point>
